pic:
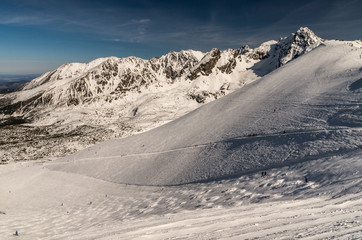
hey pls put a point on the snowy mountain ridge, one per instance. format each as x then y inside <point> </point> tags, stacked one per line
<point>80,83</point>
<point>115,97</point>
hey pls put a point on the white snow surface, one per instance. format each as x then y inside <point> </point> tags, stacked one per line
<point>301,111</point>
<point>219,150</point>
<point>44,204</point>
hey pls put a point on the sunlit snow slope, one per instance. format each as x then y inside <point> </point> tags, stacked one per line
<point>307,109</point>
<point>80,104</point>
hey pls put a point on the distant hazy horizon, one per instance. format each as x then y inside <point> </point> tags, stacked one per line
<point>17,77</point>
<point>9,82</point>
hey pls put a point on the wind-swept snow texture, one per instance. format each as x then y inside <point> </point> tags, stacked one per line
<point>43,204</point>
<point>307,109</point>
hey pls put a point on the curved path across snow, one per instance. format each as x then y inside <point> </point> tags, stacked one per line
<point>241,139</point>
<point>303,97</point>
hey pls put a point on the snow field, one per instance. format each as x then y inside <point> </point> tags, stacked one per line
<point>44,204</point>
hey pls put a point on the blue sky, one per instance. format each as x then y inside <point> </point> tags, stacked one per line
<point>37,36</point>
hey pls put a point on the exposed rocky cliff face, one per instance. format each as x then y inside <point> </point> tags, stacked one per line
<point>206,65</point>
<point>286,49</point>
<point>175,64</point>
<point>303,41</point>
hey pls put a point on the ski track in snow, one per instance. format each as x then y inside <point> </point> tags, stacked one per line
<point>202,145</point>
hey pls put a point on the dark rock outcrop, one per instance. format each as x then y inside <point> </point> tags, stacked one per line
<point>206,65</point>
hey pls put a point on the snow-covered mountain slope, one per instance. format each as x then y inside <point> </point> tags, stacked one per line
<point>306,109</point>
<point>115,97</point>
<point>43,204</point>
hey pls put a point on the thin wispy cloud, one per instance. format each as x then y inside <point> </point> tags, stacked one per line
<point>80,30</point>
<point>25,20</point>
<point>117,23</point>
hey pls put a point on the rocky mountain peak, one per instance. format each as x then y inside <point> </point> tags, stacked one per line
<point>308,35</point>
<point>286,49</point>
<point>303,41</point>
<point>175,64</point>
<point>245,49</point>
<point>263,51</point>
<point>206,65</point>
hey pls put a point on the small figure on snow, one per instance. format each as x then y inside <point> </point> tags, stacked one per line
<point>16,233</point>
<point>305,179</point>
